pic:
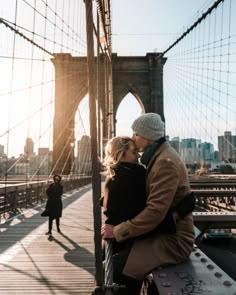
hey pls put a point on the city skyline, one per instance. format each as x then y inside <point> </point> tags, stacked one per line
<point>193,152</point>
<point>30,146</point>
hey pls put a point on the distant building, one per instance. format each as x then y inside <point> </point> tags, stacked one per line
<point>44,163</point>
<point>33,162</point>
<point>84,156</point>
<point>22,167</point>
<point>216,156</point>
<point>206,152</point>
<point>175,143</point>
<point>7,166</point>
<point>189,151</point>
<point>226,146</point>
<point>29,148</point>
<point>1,150</point>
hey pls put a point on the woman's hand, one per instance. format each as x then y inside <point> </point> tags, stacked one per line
<point>107,231</point>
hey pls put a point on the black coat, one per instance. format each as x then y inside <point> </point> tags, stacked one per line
<point>126,197</point>
<point>126,193</point>
<point>54,202</point>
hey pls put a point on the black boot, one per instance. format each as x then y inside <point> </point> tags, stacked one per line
<point>58,225</point>
<point>50,221</point>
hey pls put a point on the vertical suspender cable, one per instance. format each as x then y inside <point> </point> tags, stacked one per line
<point>27,152</point>
<point>98,88</point>
<point>10,110</point>
<point>96,180</point>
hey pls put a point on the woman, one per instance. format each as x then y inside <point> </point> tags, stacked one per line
<point>124,192</point>
<point>54,203</point>
<point>125,197</point>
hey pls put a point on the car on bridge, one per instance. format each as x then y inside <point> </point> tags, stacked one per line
<point>216,233</point>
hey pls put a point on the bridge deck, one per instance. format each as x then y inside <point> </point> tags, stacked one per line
<point>33,263</point>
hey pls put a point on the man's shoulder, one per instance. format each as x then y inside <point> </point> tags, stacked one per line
<point>166,151</point>
<point>167,157</point>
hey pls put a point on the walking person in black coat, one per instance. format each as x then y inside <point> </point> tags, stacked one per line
<point>54,203</point>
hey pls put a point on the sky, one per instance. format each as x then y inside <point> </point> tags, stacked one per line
<point>138,27</point>
<point>151,26</point>
<point>141,26</point>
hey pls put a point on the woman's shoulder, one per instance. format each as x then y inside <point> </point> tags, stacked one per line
<point>129,170</point>
<point>127,174</point>
<point>131,167</point>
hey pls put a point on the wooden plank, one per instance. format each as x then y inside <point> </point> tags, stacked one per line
<point>33,263</point>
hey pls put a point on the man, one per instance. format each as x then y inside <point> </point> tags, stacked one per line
<point>167,184</point>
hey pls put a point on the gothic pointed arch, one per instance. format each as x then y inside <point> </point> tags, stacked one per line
<point>130,90</point>
<point>143,77</point>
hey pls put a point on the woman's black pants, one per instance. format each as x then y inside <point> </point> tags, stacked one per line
<point>132,286</point>
<point>50,222</point>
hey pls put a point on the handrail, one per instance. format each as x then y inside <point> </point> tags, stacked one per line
<point>17,196</point>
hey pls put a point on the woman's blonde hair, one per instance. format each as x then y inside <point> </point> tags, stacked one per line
<point>114,151</point>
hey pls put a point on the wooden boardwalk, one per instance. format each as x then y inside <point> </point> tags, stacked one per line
<point>33,263</point>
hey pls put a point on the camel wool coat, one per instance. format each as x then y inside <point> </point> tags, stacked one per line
<point>166,184</point>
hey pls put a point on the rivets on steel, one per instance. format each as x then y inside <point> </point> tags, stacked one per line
<point>204,260</point>
<point>210,266</point>
<point>162,275</point>
<point>166,284</point>
<point>227,283</point>
<point>198,254</point>
<point>218,274</point>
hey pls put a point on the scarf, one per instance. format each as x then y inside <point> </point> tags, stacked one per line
<point>150,150</point>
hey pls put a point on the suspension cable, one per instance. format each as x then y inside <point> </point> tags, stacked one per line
<point>192,27</point>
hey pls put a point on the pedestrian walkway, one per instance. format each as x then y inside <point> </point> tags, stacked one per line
<point>33,263</point>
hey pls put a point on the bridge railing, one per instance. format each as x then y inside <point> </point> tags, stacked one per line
<point>18,196</point>
<point>214,185</point>
<point>215,200</point>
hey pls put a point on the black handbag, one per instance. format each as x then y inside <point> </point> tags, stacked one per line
<point>45,213</point>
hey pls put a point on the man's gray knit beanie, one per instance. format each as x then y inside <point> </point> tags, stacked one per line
<point>149,126</point>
